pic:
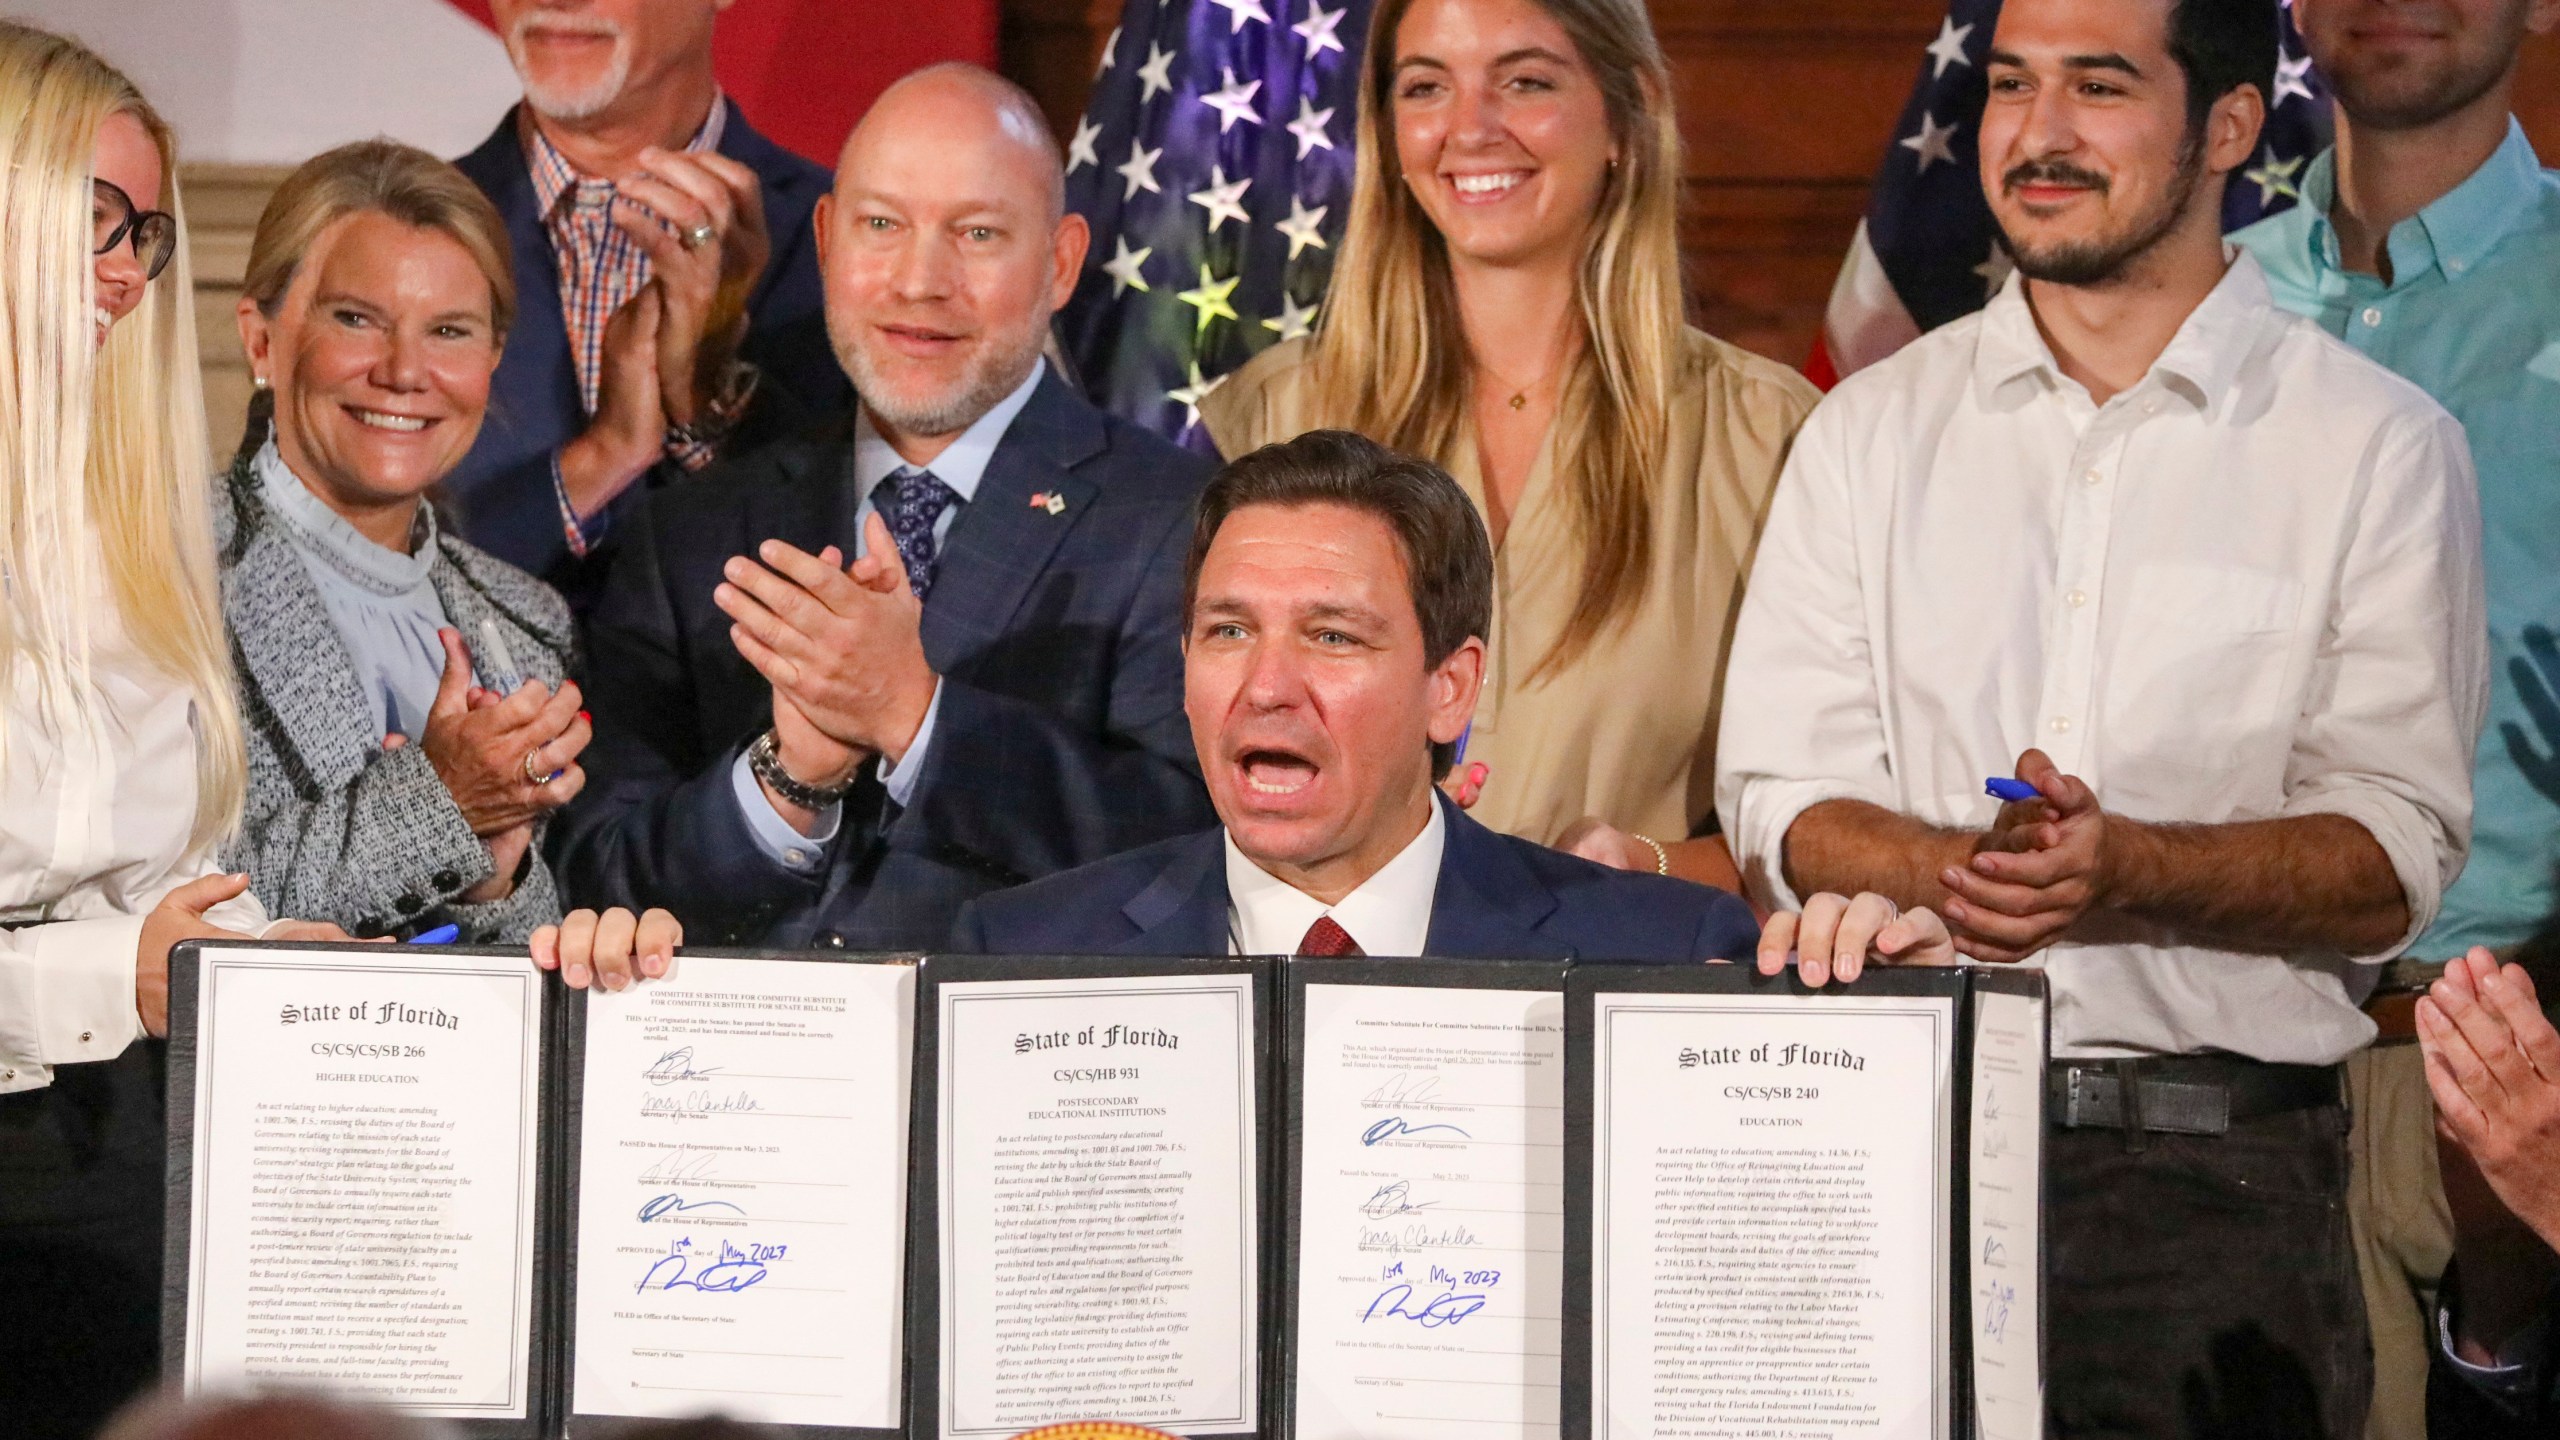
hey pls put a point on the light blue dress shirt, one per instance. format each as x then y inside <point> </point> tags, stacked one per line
<point>961,465</point>
<point>384,603</point>
<point>2472,315</point>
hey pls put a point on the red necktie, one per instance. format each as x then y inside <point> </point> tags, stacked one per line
<point>1328,940</point>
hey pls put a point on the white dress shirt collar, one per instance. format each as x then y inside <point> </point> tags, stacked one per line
<point>2200,365</point>
<point>963,463</point>
<point>1389,914</point>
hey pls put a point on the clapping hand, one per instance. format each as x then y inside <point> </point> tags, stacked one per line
<point>843,649</point>
<point>700,217</point>
<point>505,764</point>
<point>2040,868</point>
<point>1835,936</point>
<point>2493,1066</point>
<point>608,950</point>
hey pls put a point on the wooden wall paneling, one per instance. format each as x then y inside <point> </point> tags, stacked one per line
<point>223,202</point>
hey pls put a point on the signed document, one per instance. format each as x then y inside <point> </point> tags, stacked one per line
<point>1099,1227</point>
<point>2006,1187</point>
<point>1771,1181</point>
<point>1430,1212</point>
<point>363,1197</point>
<point>741,1200</point>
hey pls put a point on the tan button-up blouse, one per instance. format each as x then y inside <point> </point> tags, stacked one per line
<point>1627,731</point>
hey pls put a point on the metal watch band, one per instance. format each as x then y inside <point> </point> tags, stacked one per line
<point>765,761</point>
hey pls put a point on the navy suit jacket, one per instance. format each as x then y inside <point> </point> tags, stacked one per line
<point>502,490</point>
<point>1499,898</point>
<point>1060,738</point>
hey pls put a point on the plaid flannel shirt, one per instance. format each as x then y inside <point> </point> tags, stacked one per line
<point>600,269</point>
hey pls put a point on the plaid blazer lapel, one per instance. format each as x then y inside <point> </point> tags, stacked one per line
<point>1002,541</point>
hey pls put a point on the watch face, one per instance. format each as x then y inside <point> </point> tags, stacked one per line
<point>1093,1430</point>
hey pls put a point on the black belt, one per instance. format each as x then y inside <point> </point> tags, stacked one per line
<point>2182,1094</point>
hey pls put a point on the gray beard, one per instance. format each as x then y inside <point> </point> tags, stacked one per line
<point>946,414</point>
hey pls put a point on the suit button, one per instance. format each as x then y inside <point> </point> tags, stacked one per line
<point>370,928</point>
<point>448,880</point>
<point>832,940</point>
<point>410,904</point>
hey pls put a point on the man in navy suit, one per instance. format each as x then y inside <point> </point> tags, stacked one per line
<point>668,303</point>
<point>792,750</point>
<point>1337,596</point>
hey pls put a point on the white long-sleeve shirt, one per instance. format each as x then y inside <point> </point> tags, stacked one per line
<point>2247,587</point>
<point>95,813</point>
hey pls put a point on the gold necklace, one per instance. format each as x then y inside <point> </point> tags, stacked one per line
<point>1520,397</point>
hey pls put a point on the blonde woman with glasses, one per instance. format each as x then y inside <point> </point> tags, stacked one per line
<point>122,760</point>
<point>1508,303</point>
<point>121,768</point>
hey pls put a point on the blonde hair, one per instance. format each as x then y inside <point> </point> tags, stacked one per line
<point>1390,357</point>
<point>381,177</point>
<point>101,447</point>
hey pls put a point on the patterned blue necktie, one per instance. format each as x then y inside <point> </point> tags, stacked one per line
<point>909,501</point>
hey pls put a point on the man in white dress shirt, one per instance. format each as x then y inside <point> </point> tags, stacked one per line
<point>2209,582</point>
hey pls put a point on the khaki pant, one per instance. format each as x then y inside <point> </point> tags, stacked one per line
<point>2403,1233</point>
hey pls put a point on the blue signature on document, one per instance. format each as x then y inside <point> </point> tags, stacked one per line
<point>1448,1308</point>
<point>1394,1125</point>
<point>733,1269</point>
<point>1997,1296</point>
<point>665,1206</point>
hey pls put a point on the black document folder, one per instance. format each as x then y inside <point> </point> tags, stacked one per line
<point>859,1197</point>
<point>1785,1211</point>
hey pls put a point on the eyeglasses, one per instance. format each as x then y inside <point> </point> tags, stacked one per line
<point>113,220</point>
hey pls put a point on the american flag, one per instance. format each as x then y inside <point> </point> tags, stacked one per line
<point>1927,252</point>
<point>1214,164</point>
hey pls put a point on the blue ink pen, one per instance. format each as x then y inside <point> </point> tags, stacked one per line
<point>1460,758</point>
<point>441,935</point>
<point>2013,791</point>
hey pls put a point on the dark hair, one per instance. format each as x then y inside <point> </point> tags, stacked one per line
<point>1448,561</point>
<point>2223,45</point>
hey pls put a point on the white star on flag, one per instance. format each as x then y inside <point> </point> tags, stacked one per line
<point>2274,177</point>
<point>1295,322</point>
<point>1948,48</point>
<point>2293,77</point>
<point>1140,171</point>
<point>1189,396</point>
<point>1123,266</point>
<point>1080,150</point>
<point>1995,271</point>
<point>1301,225</point>
<point>1239,11</point>
<point>1309,127</point>
<point>1931,142</point>
<point>1156,76</point>
<point>1110,54</point>
<point>1223,200</point>
<point>1317,29</point>
<point>1234,102</point>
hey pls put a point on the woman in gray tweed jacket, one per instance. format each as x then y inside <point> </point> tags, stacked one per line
<point>411,725</point>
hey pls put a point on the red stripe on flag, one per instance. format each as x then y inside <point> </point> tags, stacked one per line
<point>805,70</point>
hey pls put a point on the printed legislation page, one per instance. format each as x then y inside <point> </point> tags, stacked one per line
<point>1430,1246</point>
<point>365,1176</point>
<point>1770,1183</point>
<point>1099,1228</point>
<point>742,1193</point>
<point>2006,1215</point>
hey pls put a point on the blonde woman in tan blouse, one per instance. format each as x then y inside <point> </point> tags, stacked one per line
<point>1507,302</point>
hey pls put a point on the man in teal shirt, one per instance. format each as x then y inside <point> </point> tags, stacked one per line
<point>2429,239</point>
